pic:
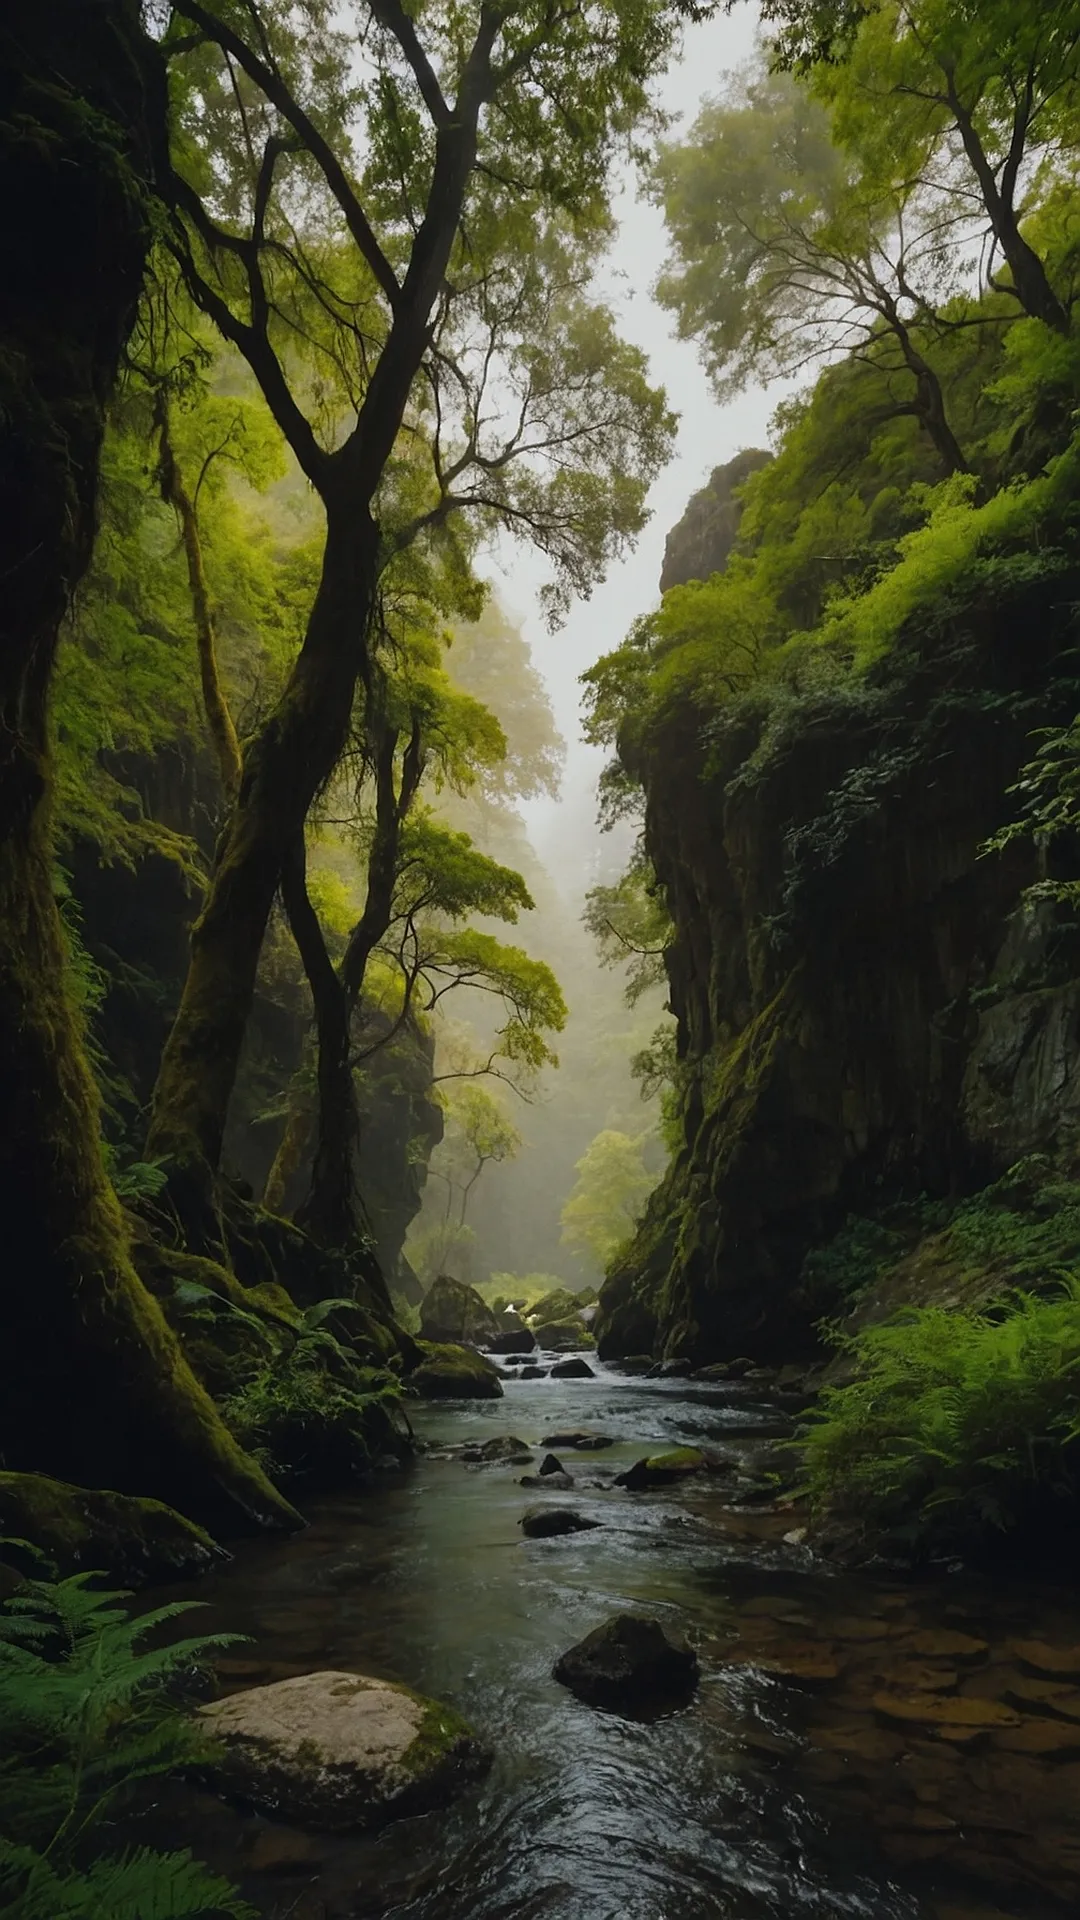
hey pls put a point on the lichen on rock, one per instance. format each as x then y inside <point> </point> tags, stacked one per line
<point>339,1751</point>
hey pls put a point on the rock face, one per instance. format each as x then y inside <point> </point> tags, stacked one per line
<point>455,1313</point>
<point>629,1666</point>
<point>865,1008</point>
<point>454,1373</point>
<point>133,1541</point>
<point>701,542</point>
<point>338,1751</point>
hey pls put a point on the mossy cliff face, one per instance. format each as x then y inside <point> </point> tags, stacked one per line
<point>866,1008</point>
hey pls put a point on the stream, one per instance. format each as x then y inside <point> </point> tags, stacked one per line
<point>782,1791</point>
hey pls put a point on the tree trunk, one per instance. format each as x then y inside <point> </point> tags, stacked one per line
<point>1031,282</point>
<point>284,767</point>
<point>929,403</point>
<point>219,720</point>
<point>329,1212</point>
<point>93,1386</point>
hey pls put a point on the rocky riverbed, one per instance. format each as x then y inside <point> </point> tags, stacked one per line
<point>887,1747</point>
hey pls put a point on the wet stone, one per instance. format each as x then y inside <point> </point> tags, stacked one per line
<point>572,1370</point>
<point>925,1709</point>
<point>550,1464</point>
<point>1045,1696</point>
<point>1057,1663</point>
<point>552,1483</point>
<point>505,1447</point>
<point>629,1665</point>
<point>944,1644</point>
<point>338,1751</point>
<point>281,1850</point>
<point>545,1523</point>
<point>1045,1738</point>
<point>578,1440</point>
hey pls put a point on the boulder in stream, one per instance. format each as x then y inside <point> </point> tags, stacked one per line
<point>550,1464</point>
<point>575,1369</point>
<point>453,1313</point>
<point>629,1666</point>
<point>513,1339</point>
<point>454,1373</point>
<point>560,1482</point>
<point>578,1440</point>
<point>338,1751</point>
<point>533,1373</point>
<point>546,1523</point>
<point>663,1469</point>
<point>505,1448</point>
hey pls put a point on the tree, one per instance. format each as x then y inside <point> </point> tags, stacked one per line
<point>424,953</point>
<point>478,1134</point>
<point>785,250</point>
<point>92,1382</point>
<point>631,926</point>
<point>612,1186</point>
<point>974,100</point>
<point>399,246</point>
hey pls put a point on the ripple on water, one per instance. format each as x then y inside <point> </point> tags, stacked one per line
<point>770,1798</point>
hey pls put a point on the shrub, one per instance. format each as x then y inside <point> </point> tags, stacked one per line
<point>313,1413</point>
<point>87,1714</point>
<point>955,1423</point>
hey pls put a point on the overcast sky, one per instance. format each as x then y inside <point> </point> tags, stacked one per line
<point>708,434</point>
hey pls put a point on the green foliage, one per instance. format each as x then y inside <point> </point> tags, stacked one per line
<point>89,1711</point>
<point>834,1276</point>
<point>955,1423</point>
<point>612,1186</point>
<point>312,1412</point>
<point>631,926</point>
<point>523,1288</point>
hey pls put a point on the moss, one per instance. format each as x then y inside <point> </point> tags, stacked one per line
<point>135,1541</point>
<point>442,1737</point>
<point>559,1304</point>
<point>676,1460</point>
<point>454,1373</point>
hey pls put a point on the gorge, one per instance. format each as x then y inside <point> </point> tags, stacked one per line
<point>591,1311</point>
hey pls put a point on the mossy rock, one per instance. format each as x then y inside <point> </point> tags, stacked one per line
<point>562,1336</point>
<point>453,1313</point>
<point>339,1751</point>
<point>559,1304</point>
<point>663,1469</point>
<point>80,1529</point>
<point>454,1373</point>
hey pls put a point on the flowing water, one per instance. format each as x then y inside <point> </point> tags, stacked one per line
<point>783,1791</point>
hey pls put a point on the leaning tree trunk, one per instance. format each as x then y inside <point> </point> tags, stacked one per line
<point>285,765</point>
<point>93,1386</point>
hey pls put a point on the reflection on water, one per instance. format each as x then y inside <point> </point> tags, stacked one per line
<point>856,1748</point>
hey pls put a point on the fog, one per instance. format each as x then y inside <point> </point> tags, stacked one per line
<point>515,1216</point>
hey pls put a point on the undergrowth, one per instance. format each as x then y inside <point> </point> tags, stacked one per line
<point>88,1712</point>
<point>955,1424</point>
<point>313,1412</point>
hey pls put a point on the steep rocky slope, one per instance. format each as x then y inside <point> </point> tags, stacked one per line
<point>868,1011</point>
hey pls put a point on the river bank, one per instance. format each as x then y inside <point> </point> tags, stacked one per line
<point>817,1773</point>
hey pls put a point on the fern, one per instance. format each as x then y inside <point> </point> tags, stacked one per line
<point>954,1422</point>
<point>313,1412</point>
<point>88,1712</point>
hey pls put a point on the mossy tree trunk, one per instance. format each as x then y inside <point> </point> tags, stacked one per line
<point>285,765</point>
<point>93,1386</point>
